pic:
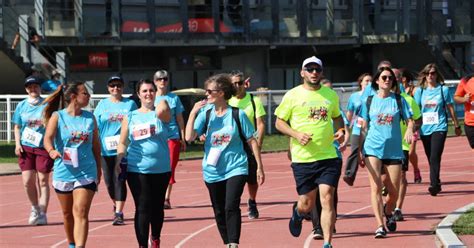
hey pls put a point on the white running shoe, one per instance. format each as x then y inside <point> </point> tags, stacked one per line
<point>34,215</point>
<point>42,219</point>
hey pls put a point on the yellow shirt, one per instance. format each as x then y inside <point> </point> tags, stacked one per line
<point>415,111</point>
<point>246,105</point>
<point>311,112</point>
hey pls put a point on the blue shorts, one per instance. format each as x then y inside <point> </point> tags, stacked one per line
<point>309,175</point>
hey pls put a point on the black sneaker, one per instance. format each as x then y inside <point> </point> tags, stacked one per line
<point>318,233</point>
<point>391,223</point>
<point>252,209</point>
<point>296,222</point>
<point>434,190</point>
<point>118,219</point>
<point>380,233</point>
<point>397,215</point>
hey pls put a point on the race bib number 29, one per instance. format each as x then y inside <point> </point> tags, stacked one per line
<point>141,131</point>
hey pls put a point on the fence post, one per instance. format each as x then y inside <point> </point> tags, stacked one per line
<point>269,113</point>
<point>9,121</point>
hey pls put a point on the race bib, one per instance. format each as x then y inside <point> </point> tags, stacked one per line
<point>213,156</point>
<point>31,136</point>
<point>141,131</point>
<point>70,157</point>
<point>359,122</point>
<point>430,118</point>
<point>111,142</point>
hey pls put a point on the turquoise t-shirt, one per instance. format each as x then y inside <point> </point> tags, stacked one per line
<point>148,151</point>
<point>30,119</point>
<point>109,116</point>
<point>73,140</point>
<point>433,110</point>
<point>176,107</point>
<point>384,139</point>
<point>354,105</point>
<point>224,155</point>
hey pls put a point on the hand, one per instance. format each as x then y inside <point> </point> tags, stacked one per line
<point>183,145</point>
<point>202,138</point>
<point>458,131</point>
<point>409,137</point>
<point>342,147</point>
<point>339,136</point>
<point>18,150</point>
<point>199,105</point>
<point>260,176</point>
<point>303,138</point>
<point>361,160</point>
<point>467,98</point>
<point>53,154</point>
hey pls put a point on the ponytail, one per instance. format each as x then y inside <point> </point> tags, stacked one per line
<point>54,102</point>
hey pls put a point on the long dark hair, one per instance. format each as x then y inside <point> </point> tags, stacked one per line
<point>60,98</point>
<point>395,86</point>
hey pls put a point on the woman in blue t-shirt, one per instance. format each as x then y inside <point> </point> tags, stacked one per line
<point>109,114</point>
<point>33,159</point>
<point>434,100</point>
<point>176,140</point>
<point>382,146</point>
<point>225,164</point>
<point>145,132</point>
<point>72,140</point>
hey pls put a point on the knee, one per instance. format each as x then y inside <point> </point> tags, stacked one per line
<point>67,214</point>
<point>44,182</point>
<point>304,206</point>
<point>80,212</point>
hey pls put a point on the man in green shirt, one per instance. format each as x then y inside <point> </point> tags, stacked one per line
<point>253,108</point>
<point>309,114</point>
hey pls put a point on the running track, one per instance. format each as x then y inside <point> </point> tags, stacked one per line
<point>191,224</point>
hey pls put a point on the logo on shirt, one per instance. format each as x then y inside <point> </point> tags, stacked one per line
<point>79,137</point>
<point>115,117</point>
<point>318,113</point>
<point>384,119</point>
<point>220,139</point>
<point>33,123</point>
<point>430,103</point>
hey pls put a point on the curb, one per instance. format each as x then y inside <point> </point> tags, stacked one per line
<point>444,230</point>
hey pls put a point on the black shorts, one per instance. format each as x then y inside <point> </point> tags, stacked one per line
<point>469,130</point>
<point>387,162</point>
<point>405,160</point>
<point>309,175</point>
<point>91,186</point>
<point>252,178</point>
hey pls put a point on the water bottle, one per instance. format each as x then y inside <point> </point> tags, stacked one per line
<point>123,169</point>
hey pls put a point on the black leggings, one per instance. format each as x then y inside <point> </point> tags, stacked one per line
<point>116,188</point>
<point>148,191</point>
<point>225,197</point>
<point>434,146</point>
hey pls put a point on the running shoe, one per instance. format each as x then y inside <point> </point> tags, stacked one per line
<point>118,219</point>
<point>349,180</point>
<point>397,214</point>
<point>417,176</point>
<point>434,190</point>
<point>327,245</point>
<point>233,245</point>
<point>296,222</point>
<point>252,209</point>
<point>380,233</point>
<point>391,223</point>
<point>318,233</point>
<point>34,214</point>
<point>155,243</point>
<point>167,204</point>
<point>42,219</point>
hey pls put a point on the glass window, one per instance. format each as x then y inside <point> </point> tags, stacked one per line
<point>134,17</point>
<point>59,18</point>
<point>168,18</point>
<point>261,19</point>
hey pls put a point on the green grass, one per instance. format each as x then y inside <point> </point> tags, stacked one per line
<point>7,153</point>
<point>465,224</point>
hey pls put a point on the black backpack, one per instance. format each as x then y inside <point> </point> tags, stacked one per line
<point>398,98</point>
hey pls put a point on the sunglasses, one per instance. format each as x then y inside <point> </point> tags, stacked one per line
<point>208,91</point>
<point>162,79</point>
<point>85,93</point>
<point>240,83</point>
<point>313,69</point>
<point>432,73</point>
<point>386,77</point>
<point>115,86</point>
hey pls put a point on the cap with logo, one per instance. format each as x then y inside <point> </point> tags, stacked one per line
<point>32,80</point>
<point>115,78</point>
<point>312,60</point>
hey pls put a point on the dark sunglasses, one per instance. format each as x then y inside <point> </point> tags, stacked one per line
<point>313,69</point>
<point>162,79</point>
<point>385,78</point>
<point>240,83</point>
<point>432,73</point>
<point>115,85</point>
<point>208,91</point>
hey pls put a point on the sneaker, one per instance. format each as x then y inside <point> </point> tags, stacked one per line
<point>327,245</point>
<point>118,219</point>
<point>34,215</point>
<point>155,243</point>
<point>391,223</point>
<point>167,204</point>
<point>380,233</point>
<point>42,219</point>
<point>318,233</point>
<point>434,190</point>
<point>307,216</point>
<point>417,176</point>
<point>296,222</point>
<point>233,245</point>
<point>348,180</point>
<point>252,209</point>
<point>397,215</point>
<point>384,191</point>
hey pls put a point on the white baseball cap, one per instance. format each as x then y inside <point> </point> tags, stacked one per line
<point>312,60</point>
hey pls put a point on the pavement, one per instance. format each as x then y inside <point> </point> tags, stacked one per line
<point>7,169</point>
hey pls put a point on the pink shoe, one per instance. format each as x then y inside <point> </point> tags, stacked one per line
<point>417,176</point>
<point>155,243</point>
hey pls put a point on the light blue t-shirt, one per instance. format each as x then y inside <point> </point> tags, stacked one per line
<point>433,109</point>
<point>223,137</point>
<point>50,85</point>
<point>109,116</point>
<point>148,151</point>
<point>354,105</point>
<point>30,116</point>
<point>74,136</point>
<point>176,108</point>
<point>384,139</point>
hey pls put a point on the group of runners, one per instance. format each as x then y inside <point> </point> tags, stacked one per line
<point>140,145</point>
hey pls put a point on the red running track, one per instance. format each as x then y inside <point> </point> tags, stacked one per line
<point>191,223</point>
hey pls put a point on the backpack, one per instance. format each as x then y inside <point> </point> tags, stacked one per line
<point>398,98</point>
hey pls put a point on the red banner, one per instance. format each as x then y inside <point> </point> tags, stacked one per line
<point>98,60</point>
<point>196,25</point>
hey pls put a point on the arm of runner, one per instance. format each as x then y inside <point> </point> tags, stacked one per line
<point>256,151</point>
<point>122,144</point>
<point>96,151</point>
<point>457,128</point>
<point>283,127</point>
<point>18,148</point>
<point>260,131</point>
<point>180,121</point>
<point>409,133</point>
<point>49,135</point>
<point>190,133</point>
<point>339,126</point>
<point>163,111</point>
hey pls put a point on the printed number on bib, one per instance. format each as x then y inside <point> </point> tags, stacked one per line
<point>213,156</point>
<point>141,131</point>
<point>430,118</point>
<point>111,142</point>
<point>70,156</point>
<point>31,136</point>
